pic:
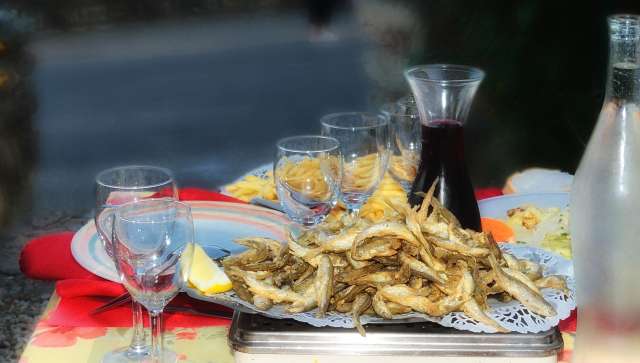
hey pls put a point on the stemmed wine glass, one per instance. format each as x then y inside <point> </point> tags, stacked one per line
<point>364,143</point>
<point>149,238</point>
<point>307,173</point>
<point>406,143</point>
<point>114,187</point>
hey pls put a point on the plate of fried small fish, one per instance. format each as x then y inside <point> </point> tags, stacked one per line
<point>416,263</point>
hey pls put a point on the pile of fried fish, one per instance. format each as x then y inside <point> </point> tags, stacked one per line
<point>416,259</point>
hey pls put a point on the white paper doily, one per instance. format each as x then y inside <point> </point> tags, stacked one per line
<point>512,315</point>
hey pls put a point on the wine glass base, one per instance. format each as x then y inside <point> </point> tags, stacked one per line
<point>168,356</point>
<point>127,355</point>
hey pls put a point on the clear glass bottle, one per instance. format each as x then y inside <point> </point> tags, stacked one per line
<point>605,211</point>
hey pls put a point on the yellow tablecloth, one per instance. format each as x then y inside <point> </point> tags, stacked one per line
<point>51,344</point>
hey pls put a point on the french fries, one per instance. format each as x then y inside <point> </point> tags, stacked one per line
<point>374,210</point>
<point>253,186</point>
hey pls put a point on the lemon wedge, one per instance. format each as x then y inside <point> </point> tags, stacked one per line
<point>205,275</point>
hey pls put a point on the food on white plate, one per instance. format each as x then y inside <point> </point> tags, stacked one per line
<point>538,180</point>
<point>252,186</point>
<point>546,227</point>
<point>559,243</point>
<point>413,259</point>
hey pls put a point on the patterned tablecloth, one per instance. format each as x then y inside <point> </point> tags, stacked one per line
<point>58,344</point>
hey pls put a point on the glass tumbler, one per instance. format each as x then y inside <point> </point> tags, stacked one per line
<point>404,123</point>
<point>364,143</point>
<point>307,172</point>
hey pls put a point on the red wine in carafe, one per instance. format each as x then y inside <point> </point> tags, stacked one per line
<point>443,157</point>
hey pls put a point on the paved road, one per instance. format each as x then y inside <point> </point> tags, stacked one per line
<point>206,98</point>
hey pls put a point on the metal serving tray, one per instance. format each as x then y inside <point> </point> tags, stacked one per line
<point>255,336</point>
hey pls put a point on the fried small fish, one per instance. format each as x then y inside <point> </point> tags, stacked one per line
<point>413,224</point>
<point>257,252</point>
<point>336,244</point>
<point>414,259</point>
<point>405,295</point>
<point>397,309</point>
<point>375,248</point>
<point>348,294</point>
<point>529,298</point>
<point>380,307</point>
<point>324,285</point>
<point>473,310</point>
<point>553,282</point>
<point>262,302</point>
<point>355,263</point>
<point>423,212</point>
<point>312,259</point>
<point>360,304</point>
<point>344,307</point>
<point>386,277</point>
<point>275,294</point>
<point>421,269</point>
<point>458,247</point>
<point>354,274</point>
<point>532,270</point>
<point>241,289</point>
<point>522,278</point>
<point>385,230</point>
<point>415,282</point>
<point>305,302</point>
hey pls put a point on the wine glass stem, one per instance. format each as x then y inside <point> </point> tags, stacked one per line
<point>139,341</point>
<point>351,215</point>
<point>156,336</point>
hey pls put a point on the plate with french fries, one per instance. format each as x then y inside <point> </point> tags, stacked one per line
<point>259,183</point>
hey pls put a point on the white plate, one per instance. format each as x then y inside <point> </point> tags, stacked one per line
<point>215,223</point>
<point>497,207</point>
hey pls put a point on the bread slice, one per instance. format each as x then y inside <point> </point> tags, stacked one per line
<point>537,180</point>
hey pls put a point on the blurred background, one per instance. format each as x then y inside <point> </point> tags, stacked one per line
<point>206,87</point>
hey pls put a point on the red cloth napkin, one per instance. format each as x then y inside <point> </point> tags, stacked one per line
<point>79,298</point>
<point>49,258</point>
<point>484,193</point>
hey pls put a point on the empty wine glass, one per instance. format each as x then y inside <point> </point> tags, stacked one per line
<point>406,143</point>
<point>364,143</point>
<point>149,238</point>
<point>307,173</point>
<point>114,187</point>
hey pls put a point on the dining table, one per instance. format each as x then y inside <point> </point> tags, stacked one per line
<point>65,333</point>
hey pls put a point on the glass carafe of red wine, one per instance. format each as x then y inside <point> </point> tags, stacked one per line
<point>444,94</point>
